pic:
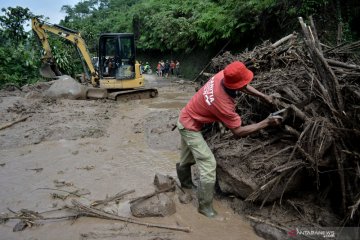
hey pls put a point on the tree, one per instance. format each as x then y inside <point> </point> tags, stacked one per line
<point>12,23</point>
<point>19,60</point>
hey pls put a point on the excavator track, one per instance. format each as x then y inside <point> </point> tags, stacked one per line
<point>139,93</point>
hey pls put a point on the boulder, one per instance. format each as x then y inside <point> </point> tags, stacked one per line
<point>66,87</point>
<point>163,182</point>
<point>160,205</point>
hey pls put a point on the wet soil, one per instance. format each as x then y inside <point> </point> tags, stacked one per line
<point>100,147</point>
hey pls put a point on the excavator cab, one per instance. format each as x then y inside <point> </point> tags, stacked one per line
<point>117,65</point>
<point>117,56</point>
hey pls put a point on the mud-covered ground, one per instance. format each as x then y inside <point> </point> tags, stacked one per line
<point>97,148</point>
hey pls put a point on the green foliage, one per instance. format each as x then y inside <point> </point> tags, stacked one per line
<point>168,26</point>
<point>310,7</point>
<point>64,53</point>
<point>12,23</point>
<point>19,62</point>
<point>246,14</point>
<point>19,65</point>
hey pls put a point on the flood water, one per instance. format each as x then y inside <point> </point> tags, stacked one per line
<point>121,160</point>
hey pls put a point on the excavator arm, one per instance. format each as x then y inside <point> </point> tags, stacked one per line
<point>41,29</point>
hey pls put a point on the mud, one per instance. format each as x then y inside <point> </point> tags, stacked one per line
<point>99,148</point>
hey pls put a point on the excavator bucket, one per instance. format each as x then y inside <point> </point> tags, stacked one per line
<point>96,93</point>
<point>46,71</point>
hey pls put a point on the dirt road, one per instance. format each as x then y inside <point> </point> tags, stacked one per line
<point>98,148</point>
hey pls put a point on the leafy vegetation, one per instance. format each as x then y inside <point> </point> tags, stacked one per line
<point>170,27</point>
<point>18,63</point>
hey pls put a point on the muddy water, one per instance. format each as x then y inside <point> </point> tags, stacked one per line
<point>137,145</point>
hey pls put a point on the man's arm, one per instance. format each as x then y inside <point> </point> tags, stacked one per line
<point>252,128</point>
<point>252,91</point>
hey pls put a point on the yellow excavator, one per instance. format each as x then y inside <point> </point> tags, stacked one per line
<point>114,74</point>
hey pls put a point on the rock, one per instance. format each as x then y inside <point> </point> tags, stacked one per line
<point>20,226</point>
<point>37,87</point>
<point>157,130</point>
<point>238,184</point>
<point>160,205</point>
<point>163,182</point>
<point>269,232</point>
<point>240,180</point>
<point>66,87</point>
<point>185,198</point>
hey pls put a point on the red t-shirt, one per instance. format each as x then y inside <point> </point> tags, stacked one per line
<point>210,104</point>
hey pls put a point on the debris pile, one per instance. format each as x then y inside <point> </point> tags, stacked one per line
<point>316,151</point>
<point>160,203</point>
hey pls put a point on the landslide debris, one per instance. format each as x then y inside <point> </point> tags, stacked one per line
<point>310,164</point>
<point>50,118</point>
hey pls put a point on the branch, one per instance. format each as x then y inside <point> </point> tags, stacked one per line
<point>93,212</point>
<point>14,122</point>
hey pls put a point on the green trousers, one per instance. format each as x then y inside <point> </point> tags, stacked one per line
<point>194,149</point>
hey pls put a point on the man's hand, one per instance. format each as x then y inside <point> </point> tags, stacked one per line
<point>272,99</point>
<point>274,120</point>
<point>243,131</point>
<point>269,99</point>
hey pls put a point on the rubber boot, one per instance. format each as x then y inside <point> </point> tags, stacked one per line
<point>184,175</point>
<point>205,198</point>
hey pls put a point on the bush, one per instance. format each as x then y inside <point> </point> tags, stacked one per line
<point>19,65</point>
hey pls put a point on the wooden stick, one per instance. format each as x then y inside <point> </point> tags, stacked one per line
<point>93,212</point>
<point>278,153</point>
<point>331,77</point>
<point>210,61</point>
<point>354,208</point>
<point>333,62</point>
<point>262,145</point>
<point>282,40</point>
<point>340,168</point>
<point>316,38</point>
<point>55,189</point>
<point>14,122</point>
<point>260,220</point>
<point>113,198</point>
<point>151,194</point>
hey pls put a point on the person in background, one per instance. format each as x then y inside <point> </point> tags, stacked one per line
<point>177,68</point>
<point>162,67</point>
<point>141,67</point>
<point>172,67</point>
<point>159,72</point>
<point>167,68</point>
<point>214,102</point>
<point>147,68</point>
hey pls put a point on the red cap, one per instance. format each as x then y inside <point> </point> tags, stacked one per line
<point>236,75</point>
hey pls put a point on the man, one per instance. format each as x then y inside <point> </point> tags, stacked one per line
<point>214,102</point>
